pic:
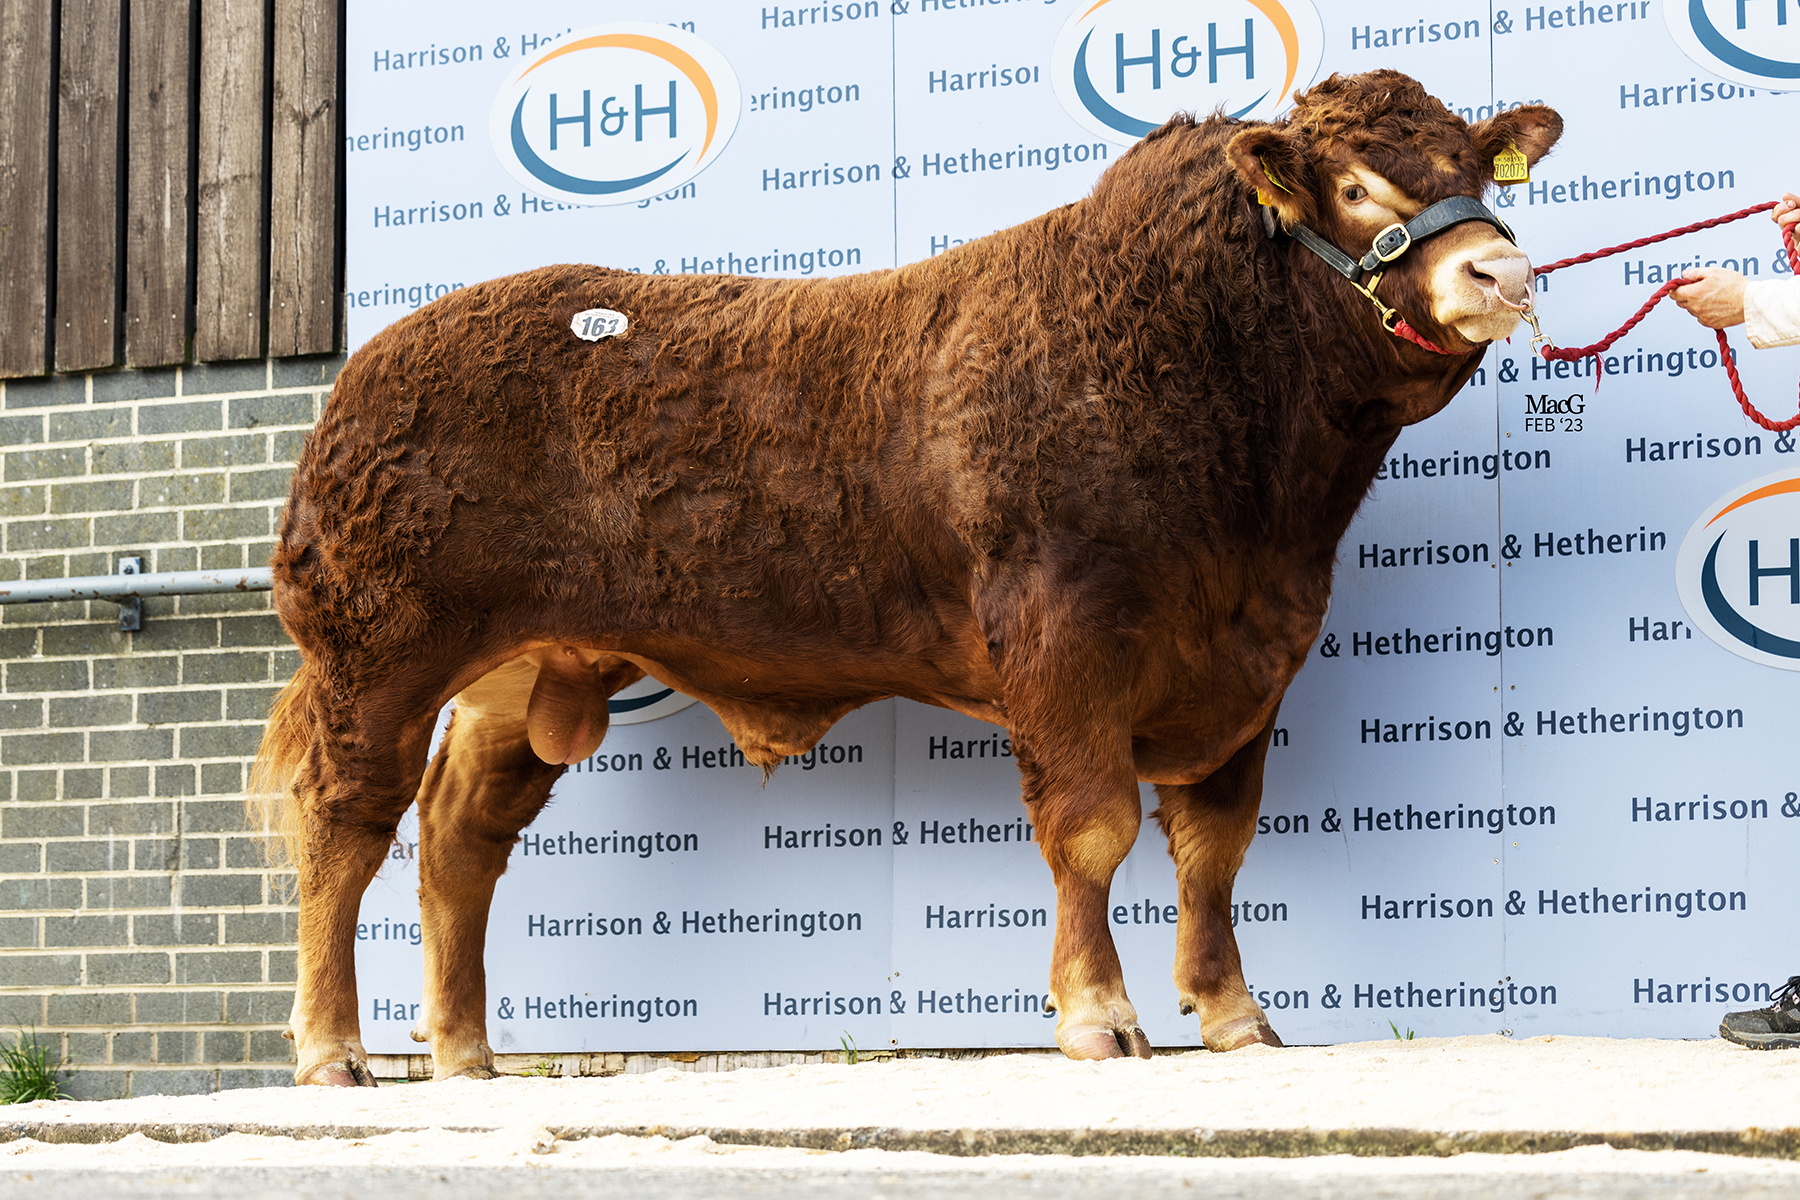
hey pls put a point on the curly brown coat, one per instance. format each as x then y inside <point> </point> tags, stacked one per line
<point>1084,478</point>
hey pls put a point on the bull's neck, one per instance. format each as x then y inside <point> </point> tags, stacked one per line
<point>1256,370</point>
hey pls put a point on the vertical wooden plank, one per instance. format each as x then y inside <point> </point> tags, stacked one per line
<point>303,192</point>
<point>26,74</point>
<point>160,193</point>
<point>87,186</point>
<point>229,260</point>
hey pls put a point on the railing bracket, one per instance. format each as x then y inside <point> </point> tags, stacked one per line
<point>131,608</point>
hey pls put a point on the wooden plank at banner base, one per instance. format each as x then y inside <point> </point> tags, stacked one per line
<point>25,80</point>
<point>229,264</point>
<point>160,194</point>
<point>302,209</point>
<point>87,186</point>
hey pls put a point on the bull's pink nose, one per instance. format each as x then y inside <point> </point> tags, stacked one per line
<point>1510,277</point>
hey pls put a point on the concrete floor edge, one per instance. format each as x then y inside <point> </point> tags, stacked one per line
<point>1183,1143</point>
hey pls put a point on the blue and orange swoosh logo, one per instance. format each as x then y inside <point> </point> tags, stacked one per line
<point>676,57</point>
<point>1761,493</point>
<point>1728,51</point>
<point>1729,619</point>
<point>1127,124</point>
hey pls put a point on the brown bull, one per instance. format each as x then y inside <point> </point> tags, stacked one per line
<point>1084,479</point>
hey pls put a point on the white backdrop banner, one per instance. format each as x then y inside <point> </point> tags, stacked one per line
<point>1531,778</point>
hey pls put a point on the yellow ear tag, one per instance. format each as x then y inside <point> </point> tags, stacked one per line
<point>1262,198</point>
<point>1271,176</point>
<point>1510,166</point>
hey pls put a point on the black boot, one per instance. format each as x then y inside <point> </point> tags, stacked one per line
<point>1776,1027</point>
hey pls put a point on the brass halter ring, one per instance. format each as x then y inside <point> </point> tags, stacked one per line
<point>1389,316</point>
<point>1540,341</point>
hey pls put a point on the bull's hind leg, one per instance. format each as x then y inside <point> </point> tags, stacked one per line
<point>1087,816</point>
<point>489,781</point>
<point>359,775</point>
<point>1210,825</point>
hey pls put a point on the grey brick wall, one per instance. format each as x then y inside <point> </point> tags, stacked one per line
<point>140,932</point>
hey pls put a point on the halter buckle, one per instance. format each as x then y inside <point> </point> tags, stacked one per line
<point>1387,248</point>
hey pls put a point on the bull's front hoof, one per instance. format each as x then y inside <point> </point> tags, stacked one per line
<point>349,1073</point>
<point>1235,1035</point>
<point>1085,1044</point>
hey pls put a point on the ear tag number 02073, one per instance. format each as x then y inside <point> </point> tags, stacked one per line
<point>590,325</point>
<point>1510,167</point>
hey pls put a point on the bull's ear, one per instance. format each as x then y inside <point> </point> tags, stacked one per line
<point>1531,127</point>
<point>1272,163</point>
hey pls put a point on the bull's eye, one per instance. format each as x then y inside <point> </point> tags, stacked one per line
<point>1355,193</point>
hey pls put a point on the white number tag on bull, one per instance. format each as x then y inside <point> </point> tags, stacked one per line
<point>592,324</point>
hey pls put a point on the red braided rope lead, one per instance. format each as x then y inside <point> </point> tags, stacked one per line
<point>1661,237</point>
<point>1575,353</point>
<point>1572,353</point>
<point>1402,329</point>
<point>1737,385</point>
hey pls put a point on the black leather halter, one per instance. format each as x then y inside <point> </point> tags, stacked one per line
<point>1389,245</point>
<point>1399,237</point>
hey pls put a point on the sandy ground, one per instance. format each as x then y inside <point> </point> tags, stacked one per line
<point>468,1139</point>
<point>1467,1084</point>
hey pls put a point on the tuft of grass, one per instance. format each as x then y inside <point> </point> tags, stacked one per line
<point>851,1054</point>
<point>26,1073</point>
<point>547,1067</point>
<point>1397,1035</point>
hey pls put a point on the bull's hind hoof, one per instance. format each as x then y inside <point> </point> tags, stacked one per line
<point>1235,1035</point>
<point>1087,1044</point>
<point>348,1073</point>
<point>476,1071</point>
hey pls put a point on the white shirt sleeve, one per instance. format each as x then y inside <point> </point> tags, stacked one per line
<point>1772,312</point>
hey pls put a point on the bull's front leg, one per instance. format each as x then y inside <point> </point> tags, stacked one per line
<point>1210,825</point>
<point>1084,802</point>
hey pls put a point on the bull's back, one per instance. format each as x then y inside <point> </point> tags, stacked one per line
<point>727,467</point>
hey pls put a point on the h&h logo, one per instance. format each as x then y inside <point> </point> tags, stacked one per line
<point>1123,67</point>
<point>615,113</point>
<point>1738,572</point>
<point>1746,41</point>
<point>646,700</point>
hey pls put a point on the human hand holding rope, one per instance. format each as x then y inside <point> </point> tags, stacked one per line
<point>1714,296</point>
<point>1786,213</point>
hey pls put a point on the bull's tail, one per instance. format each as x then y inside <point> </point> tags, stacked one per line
<point>274,808</point>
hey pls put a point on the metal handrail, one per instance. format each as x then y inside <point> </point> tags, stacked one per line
<point>120,587</point>
<point>128,588</point>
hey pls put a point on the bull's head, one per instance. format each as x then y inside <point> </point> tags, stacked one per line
<point>1360,155</point>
